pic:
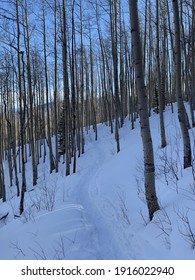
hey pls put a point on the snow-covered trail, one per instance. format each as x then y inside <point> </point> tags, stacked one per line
<point>107,245</point>
<point>113,235</point>
<point>113,211</point>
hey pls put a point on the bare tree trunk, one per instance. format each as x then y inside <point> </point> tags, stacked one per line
<point>66,87</point>
<point>114,38</point>
<point>14,142</point>
<point>2,175</point>
<point>104,67</point>
<point>193,58</point>
<point>55,87</point>
<point>73,92</point>
<point>181,109</point>
<point>162,127</point>
<point>6,102</point>
<point>52,166</point>
<point>149,168</point>
<point>32,136</point>
<point>122,74</point>
<point>22,109</point>
<point>150,61</point>
<point>93,112</point>
<point>145,35</point>
<point>82,82</point>
<point>186,70</point>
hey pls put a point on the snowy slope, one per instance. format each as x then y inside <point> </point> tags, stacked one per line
<point>100,212</point>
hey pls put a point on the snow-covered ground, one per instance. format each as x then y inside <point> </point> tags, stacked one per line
<point>100,212</point>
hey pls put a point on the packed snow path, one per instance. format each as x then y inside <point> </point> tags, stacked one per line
<point>100,211</point>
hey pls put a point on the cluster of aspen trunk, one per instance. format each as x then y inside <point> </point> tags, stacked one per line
<point>67,65</point>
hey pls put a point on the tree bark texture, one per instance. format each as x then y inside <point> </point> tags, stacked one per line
<point>182,115</point>
<point>149,168</point>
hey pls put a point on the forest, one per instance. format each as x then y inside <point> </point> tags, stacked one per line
<point>69,66</point>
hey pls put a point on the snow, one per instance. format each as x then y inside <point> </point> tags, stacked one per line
<point>100,212</point>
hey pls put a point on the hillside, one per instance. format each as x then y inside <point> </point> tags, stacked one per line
<point>100,212</point>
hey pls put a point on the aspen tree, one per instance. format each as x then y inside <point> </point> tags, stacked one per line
<point>181,109</point>
<point>114,39</point>
<point>93,112</point>
<point>55,87</point>
<point>66,106</point>
<point>160,98</point>
<point>2,173</point>
<point>22,108</point>
<point>122,74</point>
<point>52,166</point>
<point>106,86</point>
<point>82,79</point>
<point>193,58</point>
<point>31,99</point>
<point>14,130</point>
<point>149,168</point>
<point>73,99</point>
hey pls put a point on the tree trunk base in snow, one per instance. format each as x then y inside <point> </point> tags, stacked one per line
<point>153,206</point>
<point>187,162</point>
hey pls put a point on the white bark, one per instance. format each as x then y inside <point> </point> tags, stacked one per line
<point>182,115</point>
<point>149,168</point>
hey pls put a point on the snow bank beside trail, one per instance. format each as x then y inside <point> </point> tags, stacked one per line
<point>61,234</point>
<point>100,212</point>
